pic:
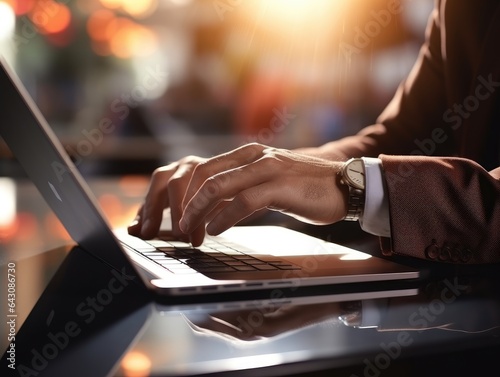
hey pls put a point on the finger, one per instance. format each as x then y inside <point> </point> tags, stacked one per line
<point>221,187</point>
<point>196,238</point>
<point>225,162</point>
<point>219,207</point>
<point>135,226</point>
<point>198,235</point>
<point>307,201</point>
<point>156,201</point>
<point>243,205</point>
<point>176,190</point>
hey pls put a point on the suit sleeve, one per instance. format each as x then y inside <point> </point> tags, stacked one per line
<point>443,209</point>
<point>415,111</point>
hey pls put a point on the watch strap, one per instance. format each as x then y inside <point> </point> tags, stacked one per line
<point>355,204</point>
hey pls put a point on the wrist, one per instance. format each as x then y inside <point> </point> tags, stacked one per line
<point>344,193</point>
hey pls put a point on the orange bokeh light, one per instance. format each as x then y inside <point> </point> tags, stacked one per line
<point>136,364</point>
<point>51,17</point>
<point>119,36</point>
<point>132,40</point>
<point>99,23</point>
<point>20,7</point>
<point>9,230</point>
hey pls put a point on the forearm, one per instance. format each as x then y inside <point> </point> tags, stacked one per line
<point>359,145</point>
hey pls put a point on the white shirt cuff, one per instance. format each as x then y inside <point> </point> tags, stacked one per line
<point>375,217</point>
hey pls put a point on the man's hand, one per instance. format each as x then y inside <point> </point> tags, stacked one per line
<point>226,189</point>
<point>166,190</point>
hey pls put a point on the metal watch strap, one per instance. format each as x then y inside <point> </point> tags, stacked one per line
<point>355,204</point>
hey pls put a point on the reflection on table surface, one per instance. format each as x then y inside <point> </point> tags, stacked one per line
<point>92,321</point>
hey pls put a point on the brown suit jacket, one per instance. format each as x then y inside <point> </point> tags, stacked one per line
<point>443,208</point>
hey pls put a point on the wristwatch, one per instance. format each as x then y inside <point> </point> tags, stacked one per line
<point>352,174</point>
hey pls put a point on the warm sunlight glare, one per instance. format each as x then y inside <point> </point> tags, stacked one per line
<point>304,28</point>
<point>291,13</point>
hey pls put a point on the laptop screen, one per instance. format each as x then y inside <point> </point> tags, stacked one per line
<point>47,164</point>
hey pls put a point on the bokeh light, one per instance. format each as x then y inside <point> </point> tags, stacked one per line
<point>22,7</point>
<point>132,40</point>
<point>99,23</point>
<point>139,9</point>
<point>50,17</point>
<point>8,220</point>
<point>135,8</point>
<point>60,21</point>
<point>136,364</point>
<point>119,36</point>
<point>7,20</point>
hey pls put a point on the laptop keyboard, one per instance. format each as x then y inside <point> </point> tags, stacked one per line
<point>212,257</point>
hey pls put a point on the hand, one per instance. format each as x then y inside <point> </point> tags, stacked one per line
<point>166,190</point>
<point>226,189</point>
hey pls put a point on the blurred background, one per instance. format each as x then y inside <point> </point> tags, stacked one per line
<point>130,84</point>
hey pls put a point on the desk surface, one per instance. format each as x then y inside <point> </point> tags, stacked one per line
<point>74,316</point>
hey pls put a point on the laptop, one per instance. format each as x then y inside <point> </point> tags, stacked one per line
<point>240,259</point>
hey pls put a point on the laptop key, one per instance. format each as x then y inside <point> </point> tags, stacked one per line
<point>244,268</point>
<point>136,243</point>
<point>265,267</point>
<point>159,257</point>
<point>286,266</point>
<point>159,243</point>
<point>180,245</point>
<point>180,268</point>
<point>166,261</point>
<point>216,269</point>
<point>152,254</point>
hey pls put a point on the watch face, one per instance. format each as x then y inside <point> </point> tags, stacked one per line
<point>355,173</point>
